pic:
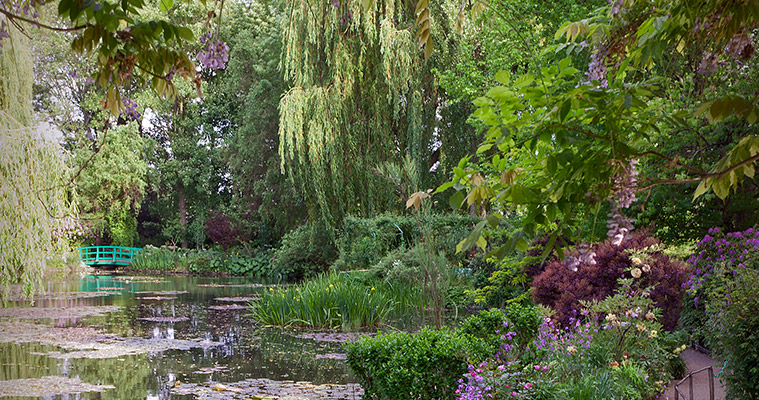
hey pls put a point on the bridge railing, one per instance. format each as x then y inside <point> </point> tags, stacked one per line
<point>116,255</point>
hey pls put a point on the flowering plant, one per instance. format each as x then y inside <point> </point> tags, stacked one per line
<point>718,258</point>
<point>618,340</point>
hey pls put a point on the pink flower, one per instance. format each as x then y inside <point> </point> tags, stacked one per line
<point>537,368</point>
<point>501,367</point>
<point>513,393</point>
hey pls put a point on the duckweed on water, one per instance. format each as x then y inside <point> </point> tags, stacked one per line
<point>269,389</point>
<point>57,312</point>
<point>91,343</point>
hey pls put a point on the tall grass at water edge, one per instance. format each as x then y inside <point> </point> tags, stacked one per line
<point>332,300</point>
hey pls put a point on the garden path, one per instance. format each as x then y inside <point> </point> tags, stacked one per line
<point>695,360</point>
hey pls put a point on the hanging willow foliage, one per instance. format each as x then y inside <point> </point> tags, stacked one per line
<point>33,195</point>
<point>361,95</point>
<point>32,171</point>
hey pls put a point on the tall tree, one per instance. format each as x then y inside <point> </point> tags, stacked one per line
<point>263,198</point>
<point>361,95</point>
<point>33,191</point>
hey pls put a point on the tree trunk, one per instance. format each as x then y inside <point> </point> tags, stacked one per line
<point>182,213</point>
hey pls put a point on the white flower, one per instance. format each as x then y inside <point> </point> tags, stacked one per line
<point>635,272</point>
<point>637,261</point>
<point>646,268</point>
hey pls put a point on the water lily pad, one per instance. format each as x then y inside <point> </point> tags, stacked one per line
<point>138,279</point>
<point>47,386</point>
<point>164,319</point>
<point>57,312</point>
<point>238,299</point>
<point>156,298</point>
<point>335,337</point>
<point>269,389</point>
<point>246,285</point>
<point>210,370</point>
<point>332,356</point>
<point>64,296</point>
<point>228,307</point>
<point>163,292</point>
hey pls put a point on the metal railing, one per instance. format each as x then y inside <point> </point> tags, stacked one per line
<point>107,255</point>
<point>679,395</point>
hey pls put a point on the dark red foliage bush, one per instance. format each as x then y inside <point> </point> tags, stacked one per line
<point>221,230</point>
<point>562,289</point>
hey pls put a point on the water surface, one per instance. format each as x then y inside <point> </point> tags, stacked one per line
<point>208,336</point>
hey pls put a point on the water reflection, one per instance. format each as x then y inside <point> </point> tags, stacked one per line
<point>175,308</point>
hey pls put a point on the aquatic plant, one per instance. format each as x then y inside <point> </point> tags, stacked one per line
<point>330,301</point>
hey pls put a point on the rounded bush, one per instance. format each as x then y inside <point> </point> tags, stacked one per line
<point>561,288</point>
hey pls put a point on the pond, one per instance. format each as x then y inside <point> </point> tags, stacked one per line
<point>165,337</point>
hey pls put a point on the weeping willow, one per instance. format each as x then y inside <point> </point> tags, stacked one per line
<point>361,95</point>
<point>32,187</point>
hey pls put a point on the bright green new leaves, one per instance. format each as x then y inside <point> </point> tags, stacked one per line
<point>732,168</point>
<point>554,145</point>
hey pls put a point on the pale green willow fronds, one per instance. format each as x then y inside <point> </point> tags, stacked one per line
<point>361,95</point>
<point>32,177</point>
<point>33,199</point>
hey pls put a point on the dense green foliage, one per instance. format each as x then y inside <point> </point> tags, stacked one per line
<point>560,142</point>
<point>363,242</point>
<point>361,95</point>
<point>404,366</point>
<point>112,183</point>
<point>734,336</point>
<point>305,252</point>
<point>231,262</point>
<point>720,308</point>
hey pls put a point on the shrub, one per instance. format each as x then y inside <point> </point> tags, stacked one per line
<point>230,262</point>
<point>304,252</point>
<point>486,324</point>
<point>507,283</point>
<point>366,241</point>
<point>562,289</point>
<point>734,332</point>
<point>721,308</point>
<point>221,230</point>
<point>716,251</point>
<point>615,352</point>
<point>156,259</point>
<point>204,261</point>
<point>420,366</point>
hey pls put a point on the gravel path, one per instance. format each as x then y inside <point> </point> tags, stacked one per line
<point>694,361</point>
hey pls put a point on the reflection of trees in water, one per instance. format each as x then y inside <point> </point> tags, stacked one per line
<point>19,362</point>
<point>246,352</point>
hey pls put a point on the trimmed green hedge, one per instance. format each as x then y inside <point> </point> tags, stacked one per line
<point>421,366</point>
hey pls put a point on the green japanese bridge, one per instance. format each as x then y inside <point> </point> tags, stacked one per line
<point>107,255</point>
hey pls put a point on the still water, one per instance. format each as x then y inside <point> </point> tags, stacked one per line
<point>160,333</point>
